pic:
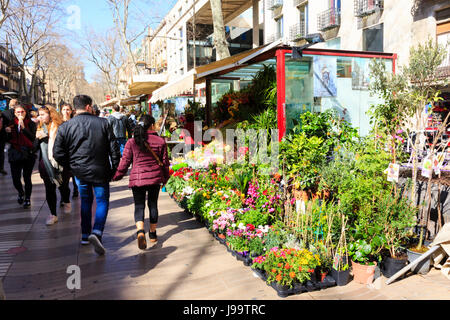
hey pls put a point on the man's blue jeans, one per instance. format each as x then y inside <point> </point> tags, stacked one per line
<point>87,190</point>
<point>121,142</point>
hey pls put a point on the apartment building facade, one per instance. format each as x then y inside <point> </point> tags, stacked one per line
<point>9,77</point>
<point>361,25</point>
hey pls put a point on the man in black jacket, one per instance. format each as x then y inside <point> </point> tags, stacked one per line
<point>88,146</point>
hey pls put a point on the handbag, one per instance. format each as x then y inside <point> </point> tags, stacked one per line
<point>20,155</point>
<point>161,165</point>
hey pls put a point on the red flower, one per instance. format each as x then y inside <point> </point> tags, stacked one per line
<point>280,265</point>
<point>265,192</point>
<point>311,270</point>
<point>251,227</point>
<point>292,275</point>
<point>300,268</point>
<point>287,266</point>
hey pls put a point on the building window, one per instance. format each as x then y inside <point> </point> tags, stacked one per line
<point>279,27</point>
<point>181,55</point>
<point>373,38</point>
<point>181,71</point>
<point>303,11</point>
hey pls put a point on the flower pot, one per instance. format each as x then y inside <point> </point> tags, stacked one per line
<point>260,273</point>
<point>282,291</point>
<point>341,277</point>
<point>423,267</point>
<point>391,266</point>
<point>363,273</point>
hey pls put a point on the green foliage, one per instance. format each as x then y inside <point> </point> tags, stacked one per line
<point>197,109</point>
<point>303,156</point>
<point>175,185</point>
<point>255,246</point>
<point>396,216</point>
<point>254,217</point>
<point>195,203</point>
<point>361,251</point>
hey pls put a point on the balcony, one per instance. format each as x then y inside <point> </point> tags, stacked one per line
<point>329,19</point>
<point>298,3</point>
<point>297,32</point>
<point>367,7</point>
<point>273,4</point>
<point>274,37</point>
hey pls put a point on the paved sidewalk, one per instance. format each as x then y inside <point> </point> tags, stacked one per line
<point>186,263</point>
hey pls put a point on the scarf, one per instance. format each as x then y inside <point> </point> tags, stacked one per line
<point>19,139</point>
<point>51,166</point>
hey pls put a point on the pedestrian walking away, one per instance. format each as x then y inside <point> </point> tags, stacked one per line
<point>21,134</point>
<point>86,144</point>
<point>49,170</point>
<point>147,152</point>
<point>67,113</point>
<point>2,144</point>
<point>119,123</point>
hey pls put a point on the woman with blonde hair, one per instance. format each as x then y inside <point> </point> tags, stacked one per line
<point>50,171</point>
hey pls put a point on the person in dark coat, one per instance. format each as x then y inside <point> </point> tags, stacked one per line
<point>21,134</point>
<point>2,144</point>
<point>87,145</point>
<point>148,154</point>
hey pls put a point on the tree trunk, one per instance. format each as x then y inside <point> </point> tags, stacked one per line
<point>220,41</point>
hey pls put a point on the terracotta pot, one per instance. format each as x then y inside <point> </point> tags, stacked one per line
<point>363,273</point>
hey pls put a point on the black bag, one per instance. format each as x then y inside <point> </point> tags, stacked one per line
<point>23,154</point>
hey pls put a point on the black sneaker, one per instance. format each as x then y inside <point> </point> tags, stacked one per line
<point>20,199</point>
<point>75,194</point>
<point>84,241</point>
<point>96,241</point>
<point>61,204</point>
<point>27,204</point>
<point>3,172</point>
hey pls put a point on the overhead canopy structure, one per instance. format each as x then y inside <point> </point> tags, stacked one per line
<point>178,87</point>
<point>185,84</point>
<point>131,100</point>
<point>146,84</point>
<point>109,103</point>
<point>230,9</point>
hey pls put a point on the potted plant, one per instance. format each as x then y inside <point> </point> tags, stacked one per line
<point>363,262</point>
<point>340,270</point>
<point>397,216</point>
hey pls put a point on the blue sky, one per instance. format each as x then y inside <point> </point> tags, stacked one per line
<point>96,14</point>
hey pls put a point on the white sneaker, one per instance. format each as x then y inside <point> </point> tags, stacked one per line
<point>67,208</point>
<point>51,220</point>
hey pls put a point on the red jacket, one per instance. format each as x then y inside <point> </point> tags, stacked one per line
<point>145,171</point>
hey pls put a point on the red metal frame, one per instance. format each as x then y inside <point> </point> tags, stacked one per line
<point>281,75</point>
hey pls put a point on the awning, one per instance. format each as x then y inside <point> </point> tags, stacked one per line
<point>109,103</point>
<point>178,87</point>
<point>185,84</point>
<point>234,61</point>
<point>146,84</point>
<point>131,100</point>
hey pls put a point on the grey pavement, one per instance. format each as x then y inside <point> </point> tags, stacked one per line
<point>186,263</point>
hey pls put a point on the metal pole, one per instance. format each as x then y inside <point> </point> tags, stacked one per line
<point>195,54</point>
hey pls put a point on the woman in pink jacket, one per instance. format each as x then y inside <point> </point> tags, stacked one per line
<point>148,154</point>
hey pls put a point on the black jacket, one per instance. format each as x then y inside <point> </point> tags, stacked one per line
<point>88,146</point>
